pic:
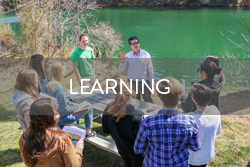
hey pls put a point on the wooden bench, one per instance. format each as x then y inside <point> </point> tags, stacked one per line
<point>100,141</point>
<point>99,102</point>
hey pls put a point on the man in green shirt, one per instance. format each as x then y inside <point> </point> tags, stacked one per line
<point>82,59</point>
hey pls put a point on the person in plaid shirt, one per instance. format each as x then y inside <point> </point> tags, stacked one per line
<point>167,136</point>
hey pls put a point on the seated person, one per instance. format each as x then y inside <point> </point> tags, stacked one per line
<point>122,121</point>
<point>206,71</point>
<point>26,93</point>
<point>43,144</point>
<point>37,63</point>
<point>53,86</point>
<point>209,121</point>
<point>167,136</point>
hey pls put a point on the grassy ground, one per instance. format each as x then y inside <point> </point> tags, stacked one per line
<point>232,147</point>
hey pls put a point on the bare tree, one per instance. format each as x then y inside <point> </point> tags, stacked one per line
<point>246,38</point>
<point>106,39</point>
<point>51,26</point>
<point>77,15</point>
<point>13,4</point>
<point>237,68</point>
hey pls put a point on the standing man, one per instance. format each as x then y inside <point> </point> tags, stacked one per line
<point>139,66</point>
<point>82,59</point>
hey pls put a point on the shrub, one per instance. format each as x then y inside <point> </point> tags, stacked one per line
<point>106,39</point>
<point>8,42</point>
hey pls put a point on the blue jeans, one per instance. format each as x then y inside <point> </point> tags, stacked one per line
<point>68,119</point>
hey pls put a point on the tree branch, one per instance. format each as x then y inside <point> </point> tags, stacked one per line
<point>17,7</point>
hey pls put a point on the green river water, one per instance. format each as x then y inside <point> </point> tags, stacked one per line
<point>177,38</point>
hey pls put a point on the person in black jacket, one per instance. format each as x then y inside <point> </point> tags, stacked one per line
<point>122,121</point>
<point>207,70</point>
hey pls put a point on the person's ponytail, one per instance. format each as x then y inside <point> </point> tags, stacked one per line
<point>210,68</point>
<point>217,70</point>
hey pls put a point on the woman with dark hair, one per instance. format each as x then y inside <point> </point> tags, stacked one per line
<point>37,63</point>
<point>26,93</point>
<point>43,144</point>
<point>218,77</point>
<point>207,71</point>
<point>122,121</point>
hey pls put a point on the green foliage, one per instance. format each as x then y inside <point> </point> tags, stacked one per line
<point>219,2</point>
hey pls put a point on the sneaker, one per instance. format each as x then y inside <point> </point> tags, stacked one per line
<point>92,133</point>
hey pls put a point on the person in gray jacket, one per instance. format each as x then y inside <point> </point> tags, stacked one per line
<point>26,93</point>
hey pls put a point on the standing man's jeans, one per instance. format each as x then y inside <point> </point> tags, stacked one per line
<point>147,94</point>
<point>91,82</point>
<point>68,119</point>
<point>218,104</point>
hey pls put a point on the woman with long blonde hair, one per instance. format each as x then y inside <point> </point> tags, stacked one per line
<point>53,86</point>
<point>43,144</point>
<point>122,121</point>
<point>26,93</point>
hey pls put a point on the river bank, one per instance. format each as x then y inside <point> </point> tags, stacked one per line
<point>10,4</point>
<point>190,3</point>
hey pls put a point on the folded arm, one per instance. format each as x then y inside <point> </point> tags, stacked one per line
<point>187,103</point>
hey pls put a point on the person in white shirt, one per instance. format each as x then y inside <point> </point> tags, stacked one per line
<point>140,67</point>
<point>208,119</point>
